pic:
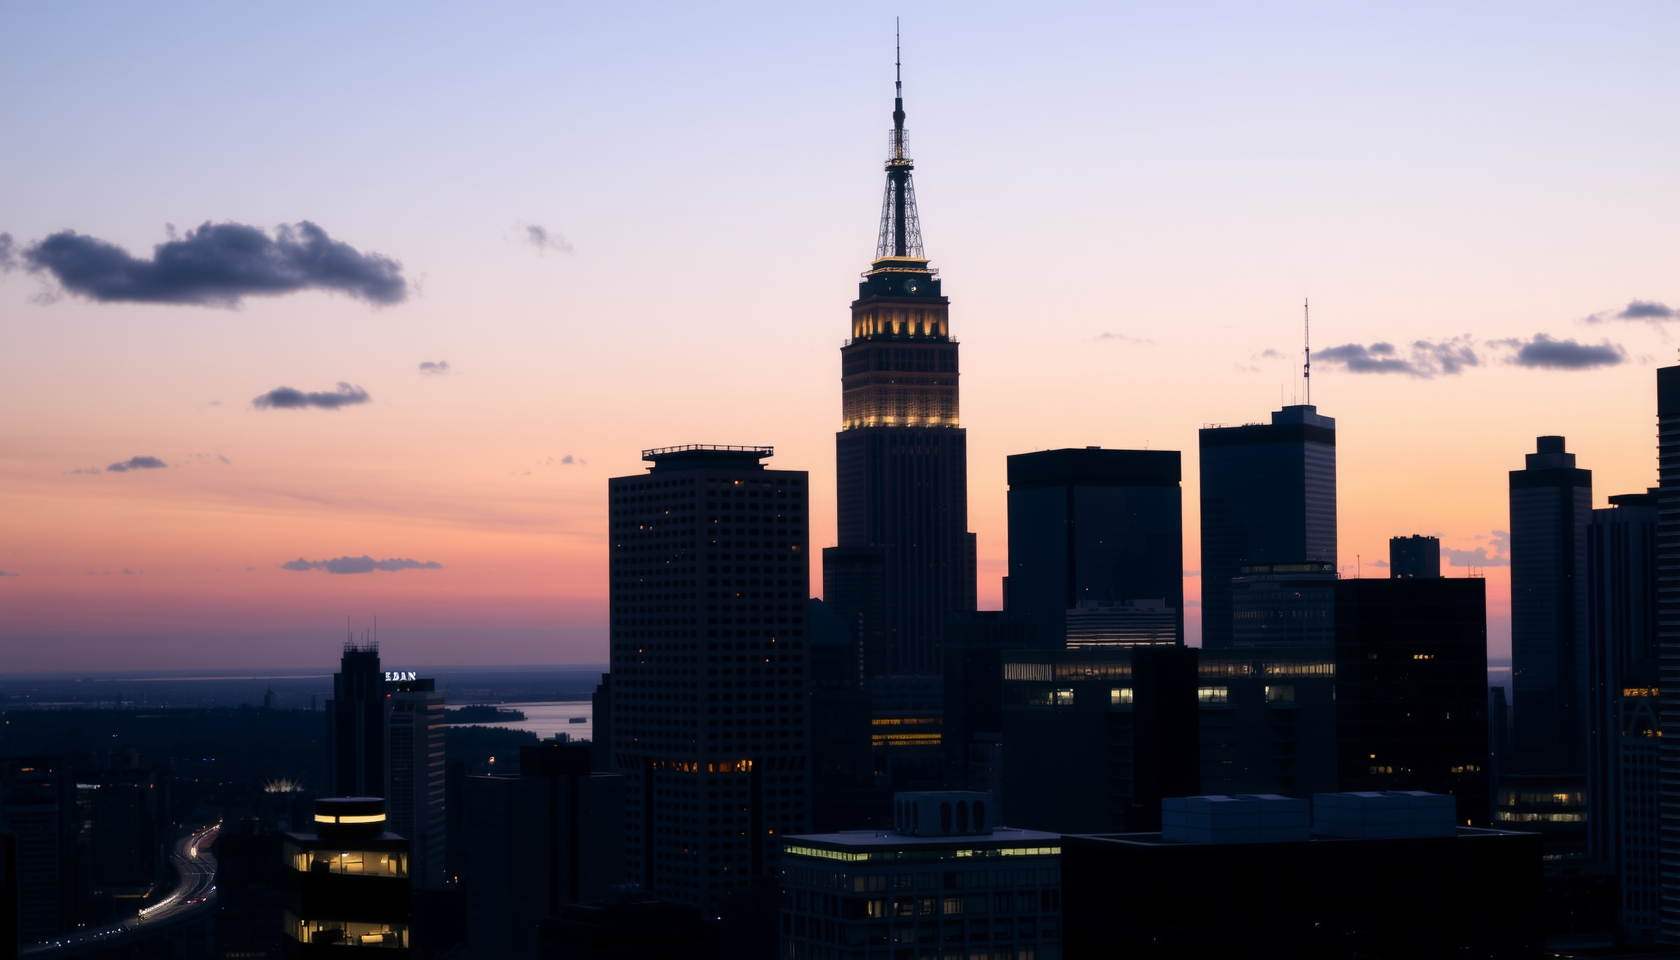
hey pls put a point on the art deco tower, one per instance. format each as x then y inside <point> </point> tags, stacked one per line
<point>906,559</point>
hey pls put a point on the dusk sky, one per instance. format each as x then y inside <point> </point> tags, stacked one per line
<point>438,271</point>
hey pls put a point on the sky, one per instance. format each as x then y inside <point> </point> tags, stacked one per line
<point>315,313</point>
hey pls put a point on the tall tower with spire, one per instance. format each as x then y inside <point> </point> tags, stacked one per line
<point>906,559</point>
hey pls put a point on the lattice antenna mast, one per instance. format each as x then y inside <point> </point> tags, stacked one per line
<point>901,229</point>
<point>1306,344</point>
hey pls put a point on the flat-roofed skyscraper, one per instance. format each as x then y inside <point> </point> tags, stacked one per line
<point>1551,505</point>
<point>709,561</point>
<point>415,794</point>
<point>356,714</point>
<point>902,454</point>
<point>1668,648</point>
<point>1268,498</point>
<point>1088,526</point>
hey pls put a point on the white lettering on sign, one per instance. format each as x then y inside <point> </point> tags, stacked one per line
<point>398,676</point>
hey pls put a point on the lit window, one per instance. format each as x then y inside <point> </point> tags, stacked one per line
<point>1120,695</point>
<point>1213,694</point>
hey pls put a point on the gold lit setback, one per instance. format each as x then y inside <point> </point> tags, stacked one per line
<point>350,818</point>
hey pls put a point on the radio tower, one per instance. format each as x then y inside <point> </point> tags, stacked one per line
<point>1306,341</point>
<point>901,230</point>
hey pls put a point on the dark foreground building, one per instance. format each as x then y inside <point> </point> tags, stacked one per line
<point>1470,893</point>
<point>1411,688</point>
<point>347,882</point>
<point>356,715</point>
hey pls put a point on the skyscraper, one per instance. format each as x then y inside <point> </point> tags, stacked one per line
<point>356,724</point>
<point>1094,525</point>
<point>415,791</point>
<point>1668,647</point>
<point>1268,498</point>
<point>1551,504</point>
<point>902,454</point>
<point>709,567</point>
<point>1414,556</point>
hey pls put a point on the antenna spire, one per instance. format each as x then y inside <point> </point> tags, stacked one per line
<point>1306,343</point>
<point>901,229</point>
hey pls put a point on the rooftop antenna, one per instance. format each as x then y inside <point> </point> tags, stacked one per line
<point>1306,343</point>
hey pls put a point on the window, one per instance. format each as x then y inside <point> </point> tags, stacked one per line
<point>1120,695</point>
<point>1213,694</point>
<point>1280,693</point>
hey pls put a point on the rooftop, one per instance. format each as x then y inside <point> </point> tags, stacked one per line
<point>860,844</point>
<point>720,456</point>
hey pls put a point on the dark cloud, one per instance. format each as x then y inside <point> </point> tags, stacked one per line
<point>1496,554</point>
<point>1377,563</point>
<point>1122,338</point>
<point>8,254</point>
<point>1651,311</point>
<point>129,573</point>
<point>287,398</point>
<point>1545,353</point>
<point>1422,358</point>
<point>5,574</point>
<point>224,459</point>
<point>1192,573</point>
<point>437,369</point>
<point>217,265</point>
<point>1268,354</point>
<point>569,459</point>
<point>543,240</point>
<point>362,564</point>
<point>136,463</point>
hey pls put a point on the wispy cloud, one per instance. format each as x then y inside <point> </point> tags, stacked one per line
<point>1497,553</point>
<point>1546,353</point>
<point>362,564</point>
<point>430,368</point>
<point>1423,359</point>
<point>8,254</point>
<point>3,573</point>
<point>287,398</point>
<point>217,265</point>
<point>135,463</point>
<point>1122,338</point>
<point>543,240</point>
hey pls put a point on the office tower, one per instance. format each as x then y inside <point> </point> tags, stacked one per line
<point>1550,507</point>
<point>1094,526</point>
<point>1101,623</point>
<point>347,882</point>
<point>971,732</point>
<point>415,790</point>
<point>843,791</point>
<point>1621,635</point>
<point>356,724</point>
<point>1668,647</point>
<point>945,882</point>
<point>1283,604</point>
<point>1499,733</point>
<point>1268,497</point>
<point>550,836</point>
<point>1414,557</point>
<point>1636,820</point>
<point>1093,739</point>
<point>37,807</point>
<point>1380,875</point>
<point>600,716</point>
<point>1411,688</point>
<point>902,454</point>
<point>709,579</point>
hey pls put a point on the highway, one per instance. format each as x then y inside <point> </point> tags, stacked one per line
<point>194,895</point>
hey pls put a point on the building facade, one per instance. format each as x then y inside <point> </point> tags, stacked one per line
<point>710,573</point>
<point>1551,502</point>
<point>356,724</point>
<point>1411,688</point>
<point>415,783</point>
<point>944,882</point>
<point>1268,497</point>
<point>347,882</point>
<point>1092,526</point>
<point>902,453</point>
<point>1668,649</point>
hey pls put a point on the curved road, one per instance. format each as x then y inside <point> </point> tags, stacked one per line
<point>195,894</point>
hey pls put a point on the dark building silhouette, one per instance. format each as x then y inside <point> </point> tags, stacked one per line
<point>971,732</point>
<point>1635,820</point>
<point>550,836</point>
<point>250,891</point>
<point>628,926</point>
<point>844,795</point>
<point>1414,557</point>
<point>600,714</point>
<point>1268,497</point>
<point>1093,739</point>
<point>855,592</point>
<point>1621,636</point>
<point>1668,645</point>
<point>1283,605</point>
<point>1551,503</point>
<point>415,789</point>
<point>709,578</point>
<point>1476,893</point>
<point>356,724</point>
<point>1411,688</point>
<point>37,807</point>
<point>9,941</point>
<point>902,454</point>
<point>347,882</point>
<point>1094,525</point>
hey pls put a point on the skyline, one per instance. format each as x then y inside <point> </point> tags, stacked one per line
<point>680,242</point>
